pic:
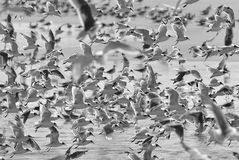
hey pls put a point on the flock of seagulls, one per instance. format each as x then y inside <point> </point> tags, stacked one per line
<point>48,86</point>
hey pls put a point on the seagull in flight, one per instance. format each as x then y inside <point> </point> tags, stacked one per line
<point>180,30</point>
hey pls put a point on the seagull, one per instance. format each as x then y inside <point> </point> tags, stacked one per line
<point>206,10</point>
<point>215,83</point>
<point>18,131</point>
<point>161,35</point>
<point>158,55</point>
<point>117,45</point>
<point>148,152</point>
<point>224,131</point>
<point>54,138</point>
<point>51,10</point>
<point>19,150</point>
<point>231,15</point>
<point>180,30</point>
<point>81,122</point>
<point>45,121</point>
<point>216,26</point>
<point>198,118</point>
<point>124,6</point>
<point>31,40</point>
<point>49,45</point>
<point>177,127</point>
<point>228,105</point>
<point>78,98</point>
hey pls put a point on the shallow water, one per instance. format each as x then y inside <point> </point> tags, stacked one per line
<point>114,150</point>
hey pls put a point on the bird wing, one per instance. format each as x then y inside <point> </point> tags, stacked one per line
<point>162,30</point>
<point>212,70</point>
<point>3,57</point>
<point>221,120</point>
<point>77,154</point>
<point>86,49</point>
<point>14,46</point>
<point>222,64</point>
<point>18,128</point>
<point>44,38</point>
<point>144,32</point>
<point>45,114</point>
<point>57,73</point>
<point>51,36</point>
<point>33,144</point>
<point>30,41</point>
<point>77,94</point>
<point>179,30</point>
<point>196,73</point>
<point>25,115</point>
<point>35,53</point>
<point>115,45</point>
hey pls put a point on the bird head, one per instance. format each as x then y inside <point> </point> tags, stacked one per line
<point>29,136</point>
<point>55,125</point>
<point>6,145</point>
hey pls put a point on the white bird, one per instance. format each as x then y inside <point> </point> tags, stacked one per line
<point>125,6</point>
<point>180,30</point>
<point>54,138</point>
<point>162,33</point>
<point>78,98</point>
<point>45,121</point>
<point>51,10</point>
<point>18,131</point>
<point>31,40</point>
<point>19,150</point>
<point>217,25</point>
<point>224,131</point>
